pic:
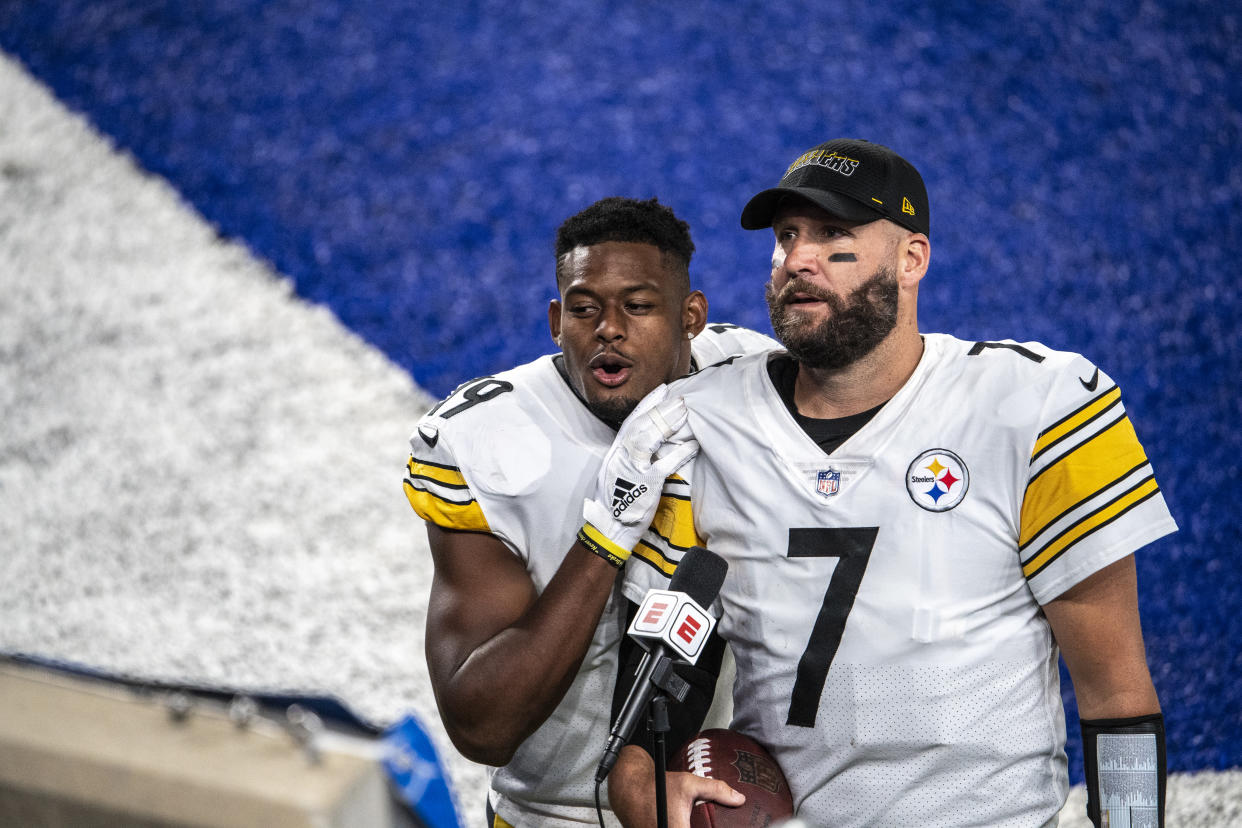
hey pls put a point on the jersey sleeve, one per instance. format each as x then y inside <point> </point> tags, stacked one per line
<point>670,535</point>
<point>1091,495</point>
<point>720,340</point>
<point>434,483</point>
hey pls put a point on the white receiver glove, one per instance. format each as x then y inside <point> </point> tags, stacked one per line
<point>654,442</point>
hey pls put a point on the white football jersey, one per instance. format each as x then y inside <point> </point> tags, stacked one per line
<point>883,602</point>
<point>515,455</point>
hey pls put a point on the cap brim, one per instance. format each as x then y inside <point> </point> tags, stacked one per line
<point>758,212</point>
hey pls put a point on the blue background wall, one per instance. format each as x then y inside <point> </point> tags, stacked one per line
<point>407,166</point>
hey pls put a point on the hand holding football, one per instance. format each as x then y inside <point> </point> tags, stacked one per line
<point>747,767</point>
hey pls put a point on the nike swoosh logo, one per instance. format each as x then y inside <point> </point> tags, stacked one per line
<point>429,438</point>
<point>1095,380</point>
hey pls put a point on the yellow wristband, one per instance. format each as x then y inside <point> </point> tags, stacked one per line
<point>597,542</point>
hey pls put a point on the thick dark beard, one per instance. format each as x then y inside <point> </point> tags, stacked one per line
<point>853,330</point>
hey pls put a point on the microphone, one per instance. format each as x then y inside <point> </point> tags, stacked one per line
<point>672,625</point>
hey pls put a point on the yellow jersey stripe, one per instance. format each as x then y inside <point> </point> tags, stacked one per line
<point>1143,491</point>
<point>1079,504</point>
<point>1084,472</point>
<point>674,525</point>
<point>444,475</point>
<point>649,554</point>
<point>464,517</point>
<point>1076,420</point>
<point>674,522</point>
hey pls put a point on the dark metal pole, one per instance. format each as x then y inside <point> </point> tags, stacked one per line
<point>660,727</point>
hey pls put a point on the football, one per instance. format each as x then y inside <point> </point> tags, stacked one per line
<point>748,768</point>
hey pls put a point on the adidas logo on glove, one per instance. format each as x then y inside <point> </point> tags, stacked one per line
<point>623,494</point>
<point>634,470</point>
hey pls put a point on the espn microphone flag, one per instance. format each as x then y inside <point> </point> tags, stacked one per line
<point>678,616</point>
<point>675,619</point>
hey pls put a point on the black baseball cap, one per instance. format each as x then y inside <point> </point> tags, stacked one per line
<point>850,178</point>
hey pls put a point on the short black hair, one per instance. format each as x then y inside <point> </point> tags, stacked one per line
<point>628,220</point>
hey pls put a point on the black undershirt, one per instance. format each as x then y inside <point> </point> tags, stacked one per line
<point>828,434</point>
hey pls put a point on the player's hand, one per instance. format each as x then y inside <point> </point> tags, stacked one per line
<point>685,789</point>
<point>654,442</point>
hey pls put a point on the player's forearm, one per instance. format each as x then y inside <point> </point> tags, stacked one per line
<point>510,684</point>
<point>631,788</point>
<point>1096,624</point>
<point>1110,676</point>
<point>1105,700</point>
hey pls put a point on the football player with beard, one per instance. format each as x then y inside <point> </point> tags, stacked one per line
<point>916,527</point>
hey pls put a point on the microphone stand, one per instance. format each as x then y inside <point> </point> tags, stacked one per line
<point>658,720</point>
<point>665,677</point>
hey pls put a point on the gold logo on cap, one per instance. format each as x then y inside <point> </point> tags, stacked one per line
<point>906,206</point>
<point>822,158</point>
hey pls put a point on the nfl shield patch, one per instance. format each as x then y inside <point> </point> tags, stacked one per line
<point>828,483</point>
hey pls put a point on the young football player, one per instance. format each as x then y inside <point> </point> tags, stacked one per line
<point>522,622</point>
<point>915,526</point>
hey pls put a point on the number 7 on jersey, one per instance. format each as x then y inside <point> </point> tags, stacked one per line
<point>853,546</point>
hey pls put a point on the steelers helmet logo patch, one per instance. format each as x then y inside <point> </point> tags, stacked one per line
<point>937,480</point>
